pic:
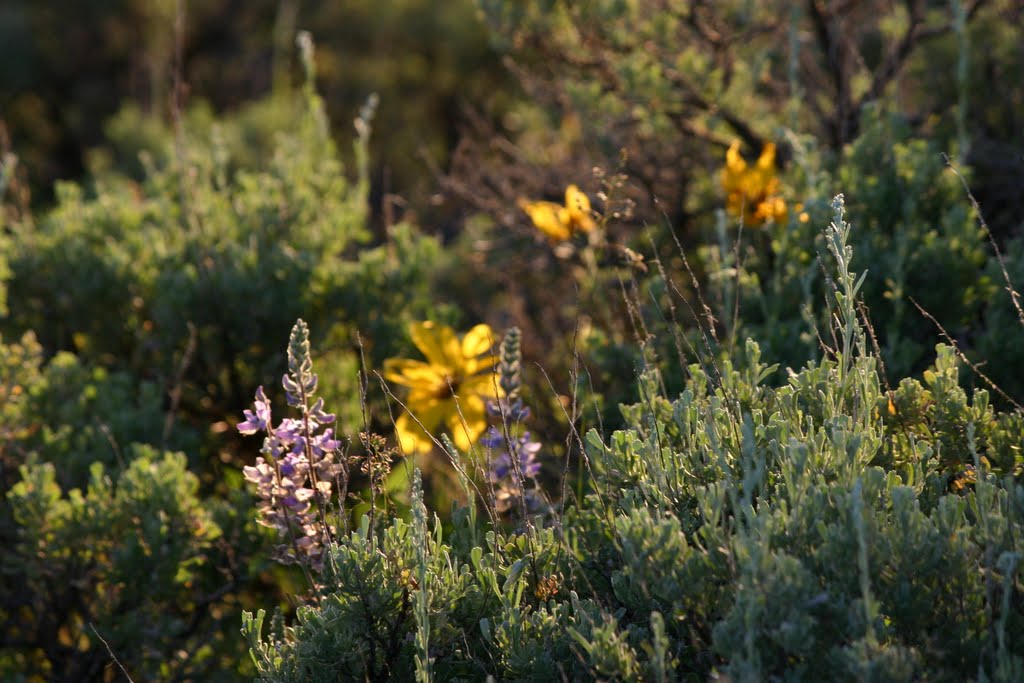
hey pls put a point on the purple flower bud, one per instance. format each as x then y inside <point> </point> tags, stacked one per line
<point>526,451</point>
<point>289,431</point>
<point>324,443</point>
<point>258,419</point>
<point>513,412</point>
<point>492,438</point>
<point>317,414</point>
<point>291,390</point>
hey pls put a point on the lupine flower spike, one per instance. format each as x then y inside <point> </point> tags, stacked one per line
<point>294,477</point>
<point>509,407</point>
<point>512,460</point>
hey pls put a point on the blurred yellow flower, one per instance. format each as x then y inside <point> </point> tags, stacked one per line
<point>450,388</point>
<point>801,215</point>
<point>559,222</point>
<point>752,192</point>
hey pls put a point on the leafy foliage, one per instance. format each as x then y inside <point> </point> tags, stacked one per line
<point>106,536</point>
<point>148,303</point>
<point>127,55</point>
<point>184,279</point>
<point>769,470</point>
<point>925,250</point>
<point>765,533</point>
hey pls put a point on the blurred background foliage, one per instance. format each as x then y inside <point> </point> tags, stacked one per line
<point>183,192</point>
<point>427,60</point>
<point>663,85</point>
<point>637,102</point>
<point>668,84</point>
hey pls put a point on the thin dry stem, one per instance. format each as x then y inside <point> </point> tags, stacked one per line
<point>963,357</point>
<point>1014,295</point>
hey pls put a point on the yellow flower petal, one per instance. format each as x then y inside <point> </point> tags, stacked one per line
<point>477,341</point>
<point>576,201</point>
<point>437,342</point>
<point>484,384</point>
<point>411,373</point>
<point>413,437</point>
<point>457,376</point>
<point>484,364</point>
<point>766,162</point>
<point>752,194</point>
<point>551,219</point>
<point>734,163</point>
<point>468,422</point>
<point>779,211</point>
<point>578,204</point>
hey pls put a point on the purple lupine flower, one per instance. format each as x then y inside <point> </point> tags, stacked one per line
<point>298,500</point>
<point>258,473</point>
<point>317,414</point>
<point>256,420</point>
<point>327,470</point>
<point>289,431</point>
<point>292,390</point>
<point>272,446</point>
<point>512,411</point>
<point>492,438</point>
<point>324,443</point>
<point>526,451</point>
<point>290,488</point>
<point>293,466</point>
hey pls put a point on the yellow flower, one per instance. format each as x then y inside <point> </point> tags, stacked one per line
<point>559,222</point>
<point>752,193</point>
<point>450,388</point>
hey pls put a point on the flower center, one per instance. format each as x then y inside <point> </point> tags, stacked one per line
<point>449,388</point>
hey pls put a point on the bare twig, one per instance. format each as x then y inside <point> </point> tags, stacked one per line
<point>179,379</point>
<point>111,652</point>
<point>963,357</point>
<point>1014,295</point>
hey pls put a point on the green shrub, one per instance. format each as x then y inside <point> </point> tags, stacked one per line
<point>918,239</point>
<point>148,560</point>
<point>849,508</point>
<point>184,280</point>
<point>806,531</point>
<point>151,306</point>
<point>105,532</point>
